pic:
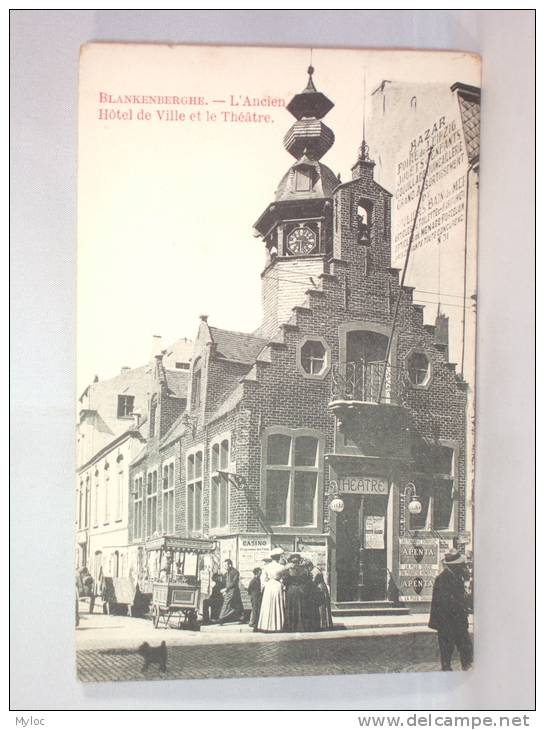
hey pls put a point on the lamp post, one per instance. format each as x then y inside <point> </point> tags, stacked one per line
<point>414,506</point>
<point>336,504</point>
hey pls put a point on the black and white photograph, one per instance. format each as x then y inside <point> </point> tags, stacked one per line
<point>276,353</point>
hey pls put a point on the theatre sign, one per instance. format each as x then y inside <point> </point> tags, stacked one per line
<point>360,485</point>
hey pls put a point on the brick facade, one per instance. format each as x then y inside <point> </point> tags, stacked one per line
<point>251,387</point>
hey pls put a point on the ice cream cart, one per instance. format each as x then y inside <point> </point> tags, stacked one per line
<point>177,585</point>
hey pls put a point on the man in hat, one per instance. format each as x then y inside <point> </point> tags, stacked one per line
<point>448,614</point>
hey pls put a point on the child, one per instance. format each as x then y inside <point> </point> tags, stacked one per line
<point>254,590</point>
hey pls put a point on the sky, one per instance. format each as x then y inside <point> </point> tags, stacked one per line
<point>166,207</point>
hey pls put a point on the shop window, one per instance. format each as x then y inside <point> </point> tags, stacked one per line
<point>194,491</point>
<point>151,503</point>
<point>292,473</point>
<point>418,367</point>
<point>219,484</point>
<point>125,406</point>
<point>168,499</point>
<point>436,493</point>
<point>442,504</point>
<point>313,358</point>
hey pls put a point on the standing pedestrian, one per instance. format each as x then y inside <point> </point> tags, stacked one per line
<point>448,614</point>
<point>322,598</point>
<point>254,590</point>
<point>273,613</point>
<point>298,590</point>
<point>232,608</point>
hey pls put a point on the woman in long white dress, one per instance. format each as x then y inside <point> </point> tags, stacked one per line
<point>273,613</point>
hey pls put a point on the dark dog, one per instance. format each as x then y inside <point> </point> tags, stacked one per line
<point>154,655</point>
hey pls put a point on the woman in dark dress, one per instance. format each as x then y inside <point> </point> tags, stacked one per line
<point>298,586</point>
<point>232,609</point>
<point>322,599</point>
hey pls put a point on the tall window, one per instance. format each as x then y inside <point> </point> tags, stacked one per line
<point>125,406</point>
<point>219,484</point>
<point>119,496</point>
<point>80,505</point>
<point>194,492</point>
<point>151,503</point>
<point>138,506</point>
<point>96,505</point>
<point>436,493</point>
<point>168,499</point>
<point>87,503</point>
<point>291,479</point>
<point>106,497</point>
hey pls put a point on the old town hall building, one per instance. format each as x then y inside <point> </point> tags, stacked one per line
<point>332,430</point>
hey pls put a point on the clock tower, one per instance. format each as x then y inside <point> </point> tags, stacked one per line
<point>297,226</point>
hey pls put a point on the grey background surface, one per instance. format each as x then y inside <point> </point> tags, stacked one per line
<point>44,51</point>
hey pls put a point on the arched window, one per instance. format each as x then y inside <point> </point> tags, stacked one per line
<point>364,212</point>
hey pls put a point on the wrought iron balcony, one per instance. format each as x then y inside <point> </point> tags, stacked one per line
<point>366,382</point>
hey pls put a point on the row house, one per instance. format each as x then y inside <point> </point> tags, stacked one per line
<point>116,420</point>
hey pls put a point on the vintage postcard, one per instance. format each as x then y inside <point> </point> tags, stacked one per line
<point>276,361</point>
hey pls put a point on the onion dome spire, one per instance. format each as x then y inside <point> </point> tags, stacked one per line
<point>309,135</point>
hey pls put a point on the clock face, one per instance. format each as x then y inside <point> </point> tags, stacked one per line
<point>301,240</point>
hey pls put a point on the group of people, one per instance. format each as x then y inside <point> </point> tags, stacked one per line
<point>287,594</point>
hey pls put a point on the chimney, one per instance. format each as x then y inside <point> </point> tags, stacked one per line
<point>441,331</point>
<point>156,345</point>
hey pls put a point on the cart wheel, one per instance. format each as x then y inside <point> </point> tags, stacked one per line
<point>156,615</point>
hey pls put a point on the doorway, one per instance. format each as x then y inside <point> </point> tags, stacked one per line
<point>367,351</point>
<point>361,561</point>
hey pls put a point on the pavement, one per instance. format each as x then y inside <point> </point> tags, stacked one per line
<point>106,648</point>
<point>100,631</point>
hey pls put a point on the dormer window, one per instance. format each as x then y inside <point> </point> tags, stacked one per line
<point>125,406</point>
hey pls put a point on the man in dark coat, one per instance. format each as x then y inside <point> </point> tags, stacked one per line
<point>448,614</point>
<point>232,609</point>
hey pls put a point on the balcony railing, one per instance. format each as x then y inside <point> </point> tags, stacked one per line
<point>361,382</point>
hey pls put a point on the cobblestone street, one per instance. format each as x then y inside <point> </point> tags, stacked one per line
<point>347,655</point>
